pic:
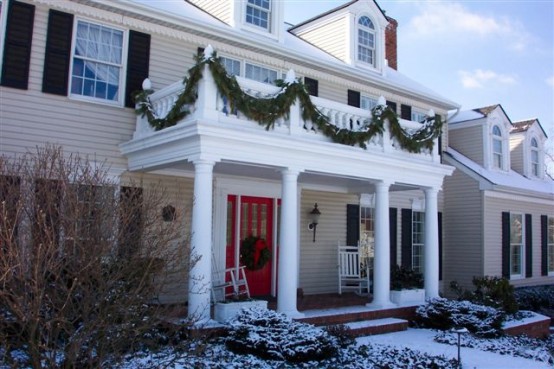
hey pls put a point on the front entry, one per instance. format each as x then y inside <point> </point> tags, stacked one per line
<point>256,221</point>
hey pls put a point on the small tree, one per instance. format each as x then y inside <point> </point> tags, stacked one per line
<point>79,257</point>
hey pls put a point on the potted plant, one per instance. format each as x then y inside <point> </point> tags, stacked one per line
<point>225,310</point>
<point>406,286</point>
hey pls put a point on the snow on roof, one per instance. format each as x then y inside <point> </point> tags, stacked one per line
<point>187,12</point>
<point>464,116</point>
<point>508,179</point>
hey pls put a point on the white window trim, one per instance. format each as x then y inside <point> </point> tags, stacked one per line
<point>122,76</point>
<point>377,47</point>
<point>368,97</point>
<point>269,15</point>
<point>277,71</point>
<point>419,112</point>
<point>3,24</point>
<point>272,31</point>
<point>522,248</point>
<point>540,158</point>
<point>505,148</point>
<point>421,245</point>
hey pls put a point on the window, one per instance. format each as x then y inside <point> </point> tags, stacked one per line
<point>368,103</point>
<point>550,245</point>
<point>497,150</point>
<point>97,63</point>
<point>516,245</point>
<point>258,13</point>
<point>418,116</point>
<point>260,74</point>
<point>418,239</point>
<point>367,231</point>
<point>535,158</point>
<point>232,66</point>
<point>366,41</point>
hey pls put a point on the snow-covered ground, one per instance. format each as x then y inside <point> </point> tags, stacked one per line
<point>422,340</point>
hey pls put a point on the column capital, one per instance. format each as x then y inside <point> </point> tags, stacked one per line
<point>383,185</point>
<point>431,190</point>
<point>203,161</point>
<point>291,171</point>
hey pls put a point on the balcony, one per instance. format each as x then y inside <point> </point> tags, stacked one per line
<point>213,110</point>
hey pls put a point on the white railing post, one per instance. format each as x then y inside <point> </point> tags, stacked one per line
<point>206,105</point>
<point>295,118</point>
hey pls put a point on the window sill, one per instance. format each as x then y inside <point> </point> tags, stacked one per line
<point>80,98</point>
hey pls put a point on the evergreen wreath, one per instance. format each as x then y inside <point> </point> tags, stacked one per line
<point>254,253</point>
<point>266,111</point>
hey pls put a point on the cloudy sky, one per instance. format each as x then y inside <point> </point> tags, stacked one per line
<point>474,52</point>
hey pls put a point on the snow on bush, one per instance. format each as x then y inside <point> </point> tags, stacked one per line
<point>529,348</point>
<point>444,314</point>
<point>272,335</point>
<point>535,298</point>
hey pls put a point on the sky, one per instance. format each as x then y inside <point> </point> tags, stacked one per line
<point>474,52</point>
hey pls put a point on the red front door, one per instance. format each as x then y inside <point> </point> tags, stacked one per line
<point>256,219</point>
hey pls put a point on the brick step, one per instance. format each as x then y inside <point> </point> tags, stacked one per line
<point>349,315</point>
<point>377,326</point>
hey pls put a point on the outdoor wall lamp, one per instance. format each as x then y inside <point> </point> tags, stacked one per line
<point>314,217</point>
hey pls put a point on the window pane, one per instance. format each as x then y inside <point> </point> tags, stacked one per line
<point>97,57</point>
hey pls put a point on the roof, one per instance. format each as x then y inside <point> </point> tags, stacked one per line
<point>486,110</point>
<point>524,125</point>
<point>510,179</point>
<point>184,13</point>
<point>474,114</point>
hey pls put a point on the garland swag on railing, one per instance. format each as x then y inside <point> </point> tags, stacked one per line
<point>266,111</point>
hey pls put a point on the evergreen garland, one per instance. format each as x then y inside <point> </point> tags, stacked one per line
<point>266,111</point>
<point>254,253</point>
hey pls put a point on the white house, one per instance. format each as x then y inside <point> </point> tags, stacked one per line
<point>69,69</point>
<point>499,202</point>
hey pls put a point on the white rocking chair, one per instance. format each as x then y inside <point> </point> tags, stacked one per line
<point>230,282</point>
<point>350,270</point>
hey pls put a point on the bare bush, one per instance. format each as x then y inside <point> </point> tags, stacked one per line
<point>82,261</point>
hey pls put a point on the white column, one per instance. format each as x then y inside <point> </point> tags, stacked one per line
<point>288,246</point>
<point>381,274</point>
<point>431,247</point>
<point>200,276</point>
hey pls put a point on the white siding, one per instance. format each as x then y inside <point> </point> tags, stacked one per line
<point>463,230</point>
<point>517,145</point>
<point>318,260</point>
<point>469,142</point>
<point>221,9</point>
<point>331,37</point>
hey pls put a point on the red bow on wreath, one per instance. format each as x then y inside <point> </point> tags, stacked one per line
<point>259,246</point>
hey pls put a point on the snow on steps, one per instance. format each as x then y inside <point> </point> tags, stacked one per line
<point>377,326</point>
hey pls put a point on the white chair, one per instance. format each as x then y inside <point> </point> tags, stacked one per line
<point>350,270</point>
<point>229,283</point>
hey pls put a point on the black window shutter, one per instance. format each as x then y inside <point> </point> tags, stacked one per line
<point>138,64</point>
<point>406,241</point>
<point>405,112</point>
<point>544,245</point>
<point>354,98</point>
<point>352,224</point>
<point>440,246</point>
<point>58,53</point>
<point>312,86</point>
<point>17,47</point>
<point>528,246</point>
<point>200,51</point>
<point>506,245</point>
<point>392,106</point>
<point>130,221</point>
<point>393,214</point>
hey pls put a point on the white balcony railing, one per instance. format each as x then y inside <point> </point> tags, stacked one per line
<point>210,106</point>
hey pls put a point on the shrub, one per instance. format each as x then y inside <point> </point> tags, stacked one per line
<point>271,335</point>
<point>535,298</point>
<point>403,278</point>
<point>489,291</point>
<point>342,333</point>
<point>443,314</point>
<point>79,259</point>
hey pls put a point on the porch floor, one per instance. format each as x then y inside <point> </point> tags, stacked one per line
<point>324,301</point>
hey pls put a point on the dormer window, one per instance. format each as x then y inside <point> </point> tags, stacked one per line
<point>535,158</point>
<point>258,13</point>
<point>366,41</point>
<point>497,149</point>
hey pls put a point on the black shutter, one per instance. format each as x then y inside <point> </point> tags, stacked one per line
<point>55,78</point>
<point>17,48</point>
<point>200,51</point>
<point>406,241</point>
<point>130,221</point>
<point>312,86</point>
<point>406,112</point>
<point>354,98</point>
<point>392,105</point>
<point>138,63</point>
<point>352,224</point>
<point>528,246</point>
<point>440,246</point>
<point>544,245</point>
<point>506,245</point>
<point>393,214</point>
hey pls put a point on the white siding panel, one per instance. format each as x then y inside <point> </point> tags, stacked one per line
<point>318,260</point>
<point>331,37</point>
<point>516,153</point>
<point>469,142</point>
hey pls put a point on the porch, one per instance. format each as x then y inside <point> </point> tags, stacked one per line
<point>229,154</point>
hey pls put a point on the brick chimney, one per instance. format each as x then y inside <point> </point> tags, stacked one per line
<point>390,43</point>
